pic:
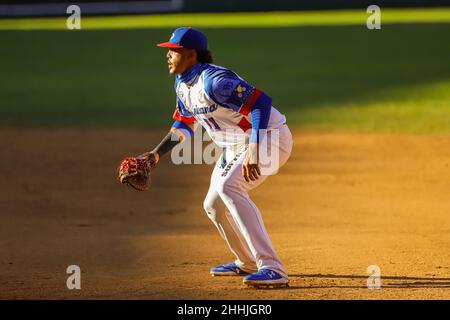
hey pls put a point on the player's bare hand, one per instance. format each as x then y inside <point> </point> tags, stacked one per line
<point>250,166</point>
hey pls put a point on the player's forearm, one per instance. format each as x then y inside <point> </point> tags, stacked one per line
<point>177,133</point>
<point>260,117</point>
<point>167,144</point>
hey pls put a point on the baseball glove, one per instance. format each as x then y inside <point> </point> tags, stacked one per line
<point>136,171</point>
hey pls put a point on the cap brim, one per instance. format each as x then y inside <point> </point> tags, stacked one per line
<point>169,45</point>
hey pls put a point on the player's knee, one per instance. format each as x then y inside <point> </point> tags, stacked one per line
<point>210,209</point>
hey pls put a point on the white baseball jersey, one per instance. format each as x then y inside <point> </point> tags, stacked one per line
<point>221,102</point>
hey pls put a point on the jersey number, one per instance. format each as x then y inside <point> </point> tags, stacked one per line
<point>212,124</point>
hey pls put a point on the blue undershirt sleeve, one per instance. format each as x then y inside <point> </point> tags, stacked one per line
<point>184,128</point>
<point>260,116</point>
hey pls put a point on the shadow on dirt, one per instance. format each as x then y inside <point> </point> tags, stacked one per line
<point>397,282</point>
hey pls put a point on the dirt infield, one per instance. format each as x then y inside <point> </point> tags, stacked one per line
<point>343,202</point>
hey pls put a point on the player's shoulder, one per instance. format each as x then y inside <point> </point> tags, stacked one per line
<point>212,71</point>
<point>215,76</point>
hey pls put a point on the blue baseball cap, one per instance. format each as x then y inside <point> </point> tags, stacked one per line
<point>186,38</point>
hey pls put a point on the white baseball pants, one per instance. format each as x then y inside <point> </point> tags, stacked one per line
<point>235,215</point>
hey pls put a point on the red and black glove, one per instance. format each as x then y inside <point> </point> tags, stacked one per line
<point>136,171</point>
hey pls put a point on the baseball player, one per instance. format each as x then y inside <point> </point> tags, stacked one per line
<point>238,117</point>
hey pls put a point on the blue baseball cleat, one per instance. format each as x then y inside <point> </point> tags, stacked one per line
<point>266,278</point>
<point>230,269</point>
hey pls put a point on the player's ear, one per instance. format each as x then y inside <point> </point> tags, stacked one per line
<point>194,55</point>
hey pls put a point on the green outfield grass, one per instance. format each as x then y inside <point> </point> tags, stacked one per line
<point>236,20</point>
<point>324,77</point>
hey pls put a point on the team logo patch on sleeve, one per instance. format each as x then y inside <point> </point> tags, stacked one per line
<point>236,92</point>
<point>240,91</point>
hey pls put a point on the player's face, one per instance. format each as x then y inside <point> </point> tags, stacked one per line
<point>179,60</point>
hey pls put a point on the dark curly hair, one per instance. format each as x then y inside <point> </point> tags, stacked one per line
<point>204,56</point>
